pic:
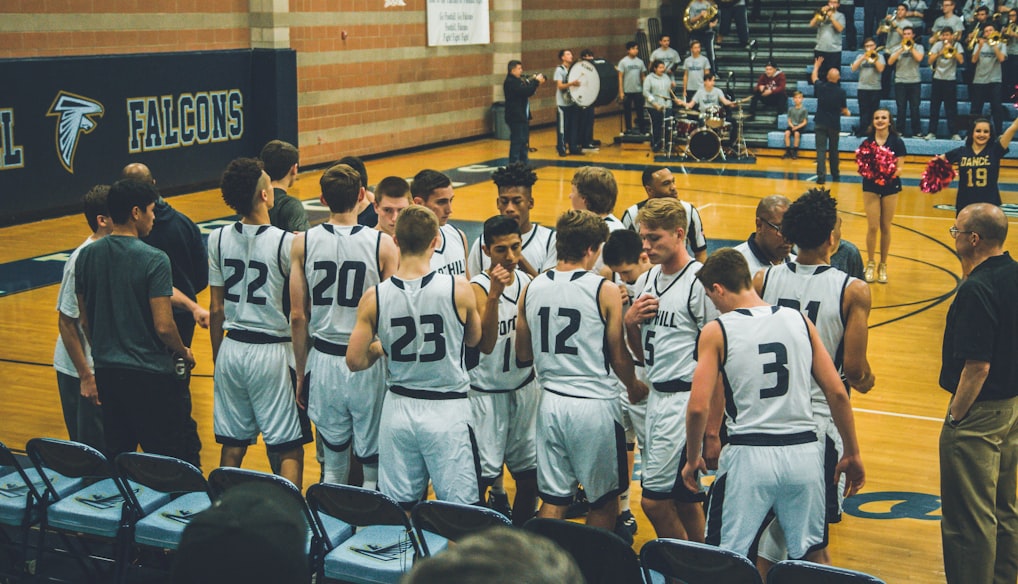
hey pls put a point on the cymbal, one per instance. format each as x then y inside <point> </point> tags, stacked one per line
<point>740,115</point>
<point>687,112</point>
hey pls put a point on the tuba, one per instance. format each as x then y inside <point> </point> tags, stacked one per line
<point>705,17</point>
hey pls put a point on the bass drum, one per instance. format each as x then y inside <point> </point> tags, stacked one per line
<point>599,83</point>
<point>704,145</point>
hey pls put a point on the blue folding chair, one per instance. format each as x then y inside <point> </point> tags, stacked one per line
<point>602,556</point>
<point>453,521</point>
<point>800,572</point>
<point>695,563</point>
<point>95,511</point>
<point>319,538</point>
<point>384,545</point>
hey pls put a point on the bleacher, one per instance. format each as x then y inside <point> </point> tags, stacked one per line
<point>849,81</point>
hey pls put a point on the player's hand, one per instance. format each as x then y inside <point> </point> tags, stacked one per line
<point>201,317</point>
<point>690,473</point>
<point>855,475</point>
<point>643,308</point>
<point>89,390</point>
<point>188,357</point>
<point>711,451</point>
<point>624,294</point>
<point>865,384</point>
<point>637,392</point>
<point>500,278</point>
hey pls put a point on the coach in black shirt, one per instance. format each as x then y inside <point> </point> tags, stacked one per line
<point>831,104</point>
<point>979,439</point>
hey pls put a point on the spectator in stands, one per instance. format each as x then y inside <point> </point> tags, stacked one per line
<point>736,10</point>
<point>986,79</point>
<point>829,24</point>
<point>832,103</point>
<point>281,160</point>
<point>945,82</point>
<point>948,20</point>
<point>905,61</point>
<point>798,117</point>
<point>870,64</point>
<point>915,12</point>
<point>769,89</point>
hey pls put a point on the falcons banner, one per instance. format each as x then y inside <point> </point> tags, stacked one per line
<point>75,122</point>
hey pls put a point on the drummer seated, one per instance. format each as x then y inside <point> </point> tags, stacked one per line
<point>769,90</point>
<point>707,97</point>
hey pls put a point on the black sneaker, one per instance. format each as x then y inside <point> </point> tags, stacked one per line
<point>579,506</point>
<point>629,521</point>
<point>500,502</point>
<point>622,531</point>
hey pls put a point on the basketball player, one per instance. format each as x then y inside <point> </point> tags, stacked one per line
<point>392,195</point>
<point>662,325</point>
<point>282,161</point>
<point>504,395</point>
<point>659,182</point>
<point>839,306</point>
<point>249,262</point>
<point>515,200</point>
<point>767,246</point>
<point>423,320</point>
<point>332,265</point>
<point>595,190</point>
<point>434,190</point>
<point>576,319</point>
<point>771,461</point>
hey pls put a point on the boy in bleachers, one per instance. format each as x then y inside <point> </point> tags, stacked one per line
<point>797,119</point>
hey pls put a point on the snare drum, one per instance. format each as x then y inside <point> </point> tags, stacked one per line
<point>704,145</point>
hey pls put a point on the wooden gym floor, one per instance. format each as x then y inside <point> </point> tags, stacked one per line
<point>891,530</point>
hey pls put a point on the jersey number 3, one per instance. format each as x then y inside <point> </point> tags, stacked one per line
<point>778,366</point>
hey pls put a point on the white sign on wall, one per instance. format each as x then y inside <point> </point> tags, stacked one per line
<point>458,22</point>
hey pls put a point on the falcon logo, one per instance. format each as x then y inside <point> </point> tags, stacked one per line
<point>75,116</point>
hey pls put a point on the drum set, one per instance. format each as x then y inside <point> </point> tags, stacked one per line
<point>703,135</point>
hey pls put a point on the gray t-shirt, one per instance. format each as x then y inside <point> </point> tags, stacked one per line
<point>906,68</point>
<point>945,69</point>
<point>704,98</point>
<point>988,68</point>
<point>954,22</point>
<point>287,213</point>
<point>828,38</point>
<point>893,40</point>
<point>869,77</point>
<point>118,276</point>
<point>797,115</point>
<point>695,67</point>
<point>631,67</point>
<point>667,56</point>
<point>562,98</point>
<point>656,90</point>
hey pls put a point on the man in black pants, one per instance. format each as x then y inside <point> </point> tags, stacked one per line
<point>518,90</point>
<point>831,105</point>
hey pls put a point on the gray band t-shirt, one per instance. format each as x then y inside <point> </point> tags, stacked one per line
<point>945,69</point>
<point>869,77</point>
<point>906,68</point>
<point>829,39</point>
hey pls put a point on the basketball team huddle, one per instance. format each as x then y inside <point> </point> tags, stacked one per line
<point>533,349</point>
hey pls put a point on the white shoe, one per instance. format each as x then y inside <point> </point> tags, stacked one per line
<point>869,275</point>
<point>882,273</point>
<point>955,137</point>
<point>931,136</point>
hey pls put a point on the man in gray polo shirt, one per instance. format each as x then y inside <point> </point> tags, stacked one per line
<point>829,24</point>
<point>986,79</point>
<point>906,81</point>
<point>945,82</point>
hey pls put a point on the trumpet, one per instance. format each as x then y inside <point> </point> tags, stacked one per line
<point>702,21</point>
<point>872,56</point>
<point>823,13</point>
<point>948,52</point>
<point>908,44</point>
<point>1011,30</point>
<point>886,26</point>
<point>995,39</point>
<point>973,39</point>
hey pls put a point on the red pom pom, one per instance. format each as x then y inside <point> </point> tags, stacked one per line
<point>876,163</point>
<point>938,174</point>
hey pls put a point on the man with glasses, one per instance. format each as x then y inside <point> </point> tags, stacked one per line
<point>979,438</point>
<point>767,246</point>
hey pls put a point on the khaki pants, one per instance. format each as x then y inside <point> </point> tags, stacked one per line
<point>978,466</point>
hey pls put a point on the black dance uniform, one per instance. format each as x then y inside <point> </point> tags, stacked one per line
<point>893,187</point>
<point>977,174</point>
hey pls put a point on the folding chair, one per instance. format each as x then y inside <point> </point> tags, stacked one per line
<point>453,521</point>
<point>602,556</point>
<point>696,563</point>
<point>384,545</point>
<point>97,510</point>
<point>800,572</point>
<point>319,538</point>
<point>21,496</point>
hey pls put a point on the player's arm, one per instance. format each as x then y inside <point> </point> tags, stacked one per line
<point>388,257</point>
<point>466,306</point>
<point>621,361</point>
<point>524,348</point>
<point>857,312</point>
<point>758,281</point>
<point>837,398</point>
<point>466,265</point>
<point>68,326</point>
<point>1008,135</point>
<point>83,317</point>
<point>300,309</point>
<point>642,309</point>
<point>363,350</point>
<point>487,306</point>
<point>166,328</point>
<point>705,382</point>
<point>217,315</point>
<point>180,300</point>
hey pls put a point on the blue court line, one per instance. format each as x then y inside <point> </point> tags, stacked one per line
<point>46,270</point>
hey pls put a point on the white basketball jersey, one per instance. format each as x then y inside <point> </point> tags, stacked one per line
<point>340,263</point>
<point>450,257</point>
<point>767,369</point>
<point>695,238</point>
<point>613,225</point>
<point>538,248</point>
<point>568,334</point>
<point>819,293</point>
<point>669,339</point>
<point>422,334</point>
<point>499,371</point>
<point>251,263</point>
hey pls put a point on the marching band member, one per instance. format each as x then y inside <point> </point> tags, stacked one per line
<point>870,64</point>
<point>987,58</point>
<point>945,56</point>
<point>657,95</point>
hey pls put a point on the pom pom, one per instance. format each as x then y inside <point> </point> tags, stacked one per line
<point>876,163</point>
<point>938,174</point>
